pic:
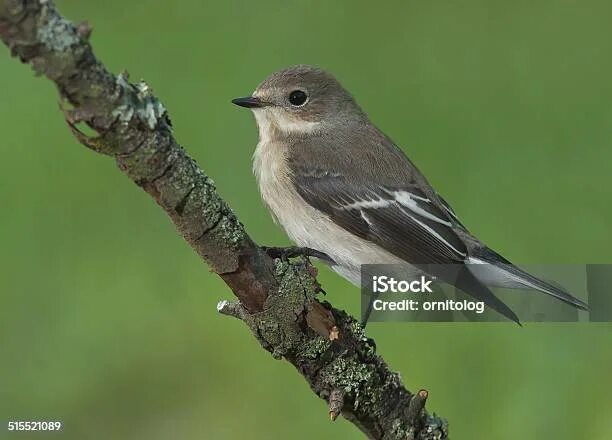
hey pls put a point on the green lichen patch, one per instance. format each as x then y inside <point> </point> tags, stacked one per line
<point>202,210</point>
<point>279,326</point>
<point>138,101</point>
<point>436,428</point>
<point>313,348</point>
<point>229,227</point>
<point>357,379</point>
<point>54,31</point>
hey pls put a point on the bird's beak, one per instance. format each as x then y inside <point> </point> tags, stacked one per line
<point>248,102</point>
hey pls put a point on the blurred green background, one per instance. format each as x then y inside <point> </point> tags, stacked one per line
<point>107,318</point>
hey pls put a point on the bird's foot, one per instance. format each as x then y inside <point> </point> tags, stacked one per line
<point>284,253</point>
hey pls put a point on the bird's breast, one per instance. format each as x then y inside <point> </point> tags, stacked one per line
<point>305,225</point>
<point>272,174</point>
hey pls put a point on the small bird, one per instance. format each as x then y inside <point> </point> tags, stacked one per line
<point>341,187</point>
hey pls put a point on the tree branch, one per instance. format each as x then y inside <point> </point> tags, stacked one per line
<point>277,299</point>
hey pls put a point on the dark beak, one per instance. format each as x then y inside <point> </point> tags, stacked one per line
<point>248,102</point>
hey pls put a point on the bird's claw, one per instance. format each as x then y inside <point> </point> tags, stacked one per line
<point>284,253</point>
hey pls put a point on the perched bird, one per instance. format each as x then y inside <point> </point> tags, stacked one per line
<point>340,186</point>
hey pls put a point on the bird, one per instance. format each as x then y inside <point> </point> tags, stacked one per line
<point>342,188</point>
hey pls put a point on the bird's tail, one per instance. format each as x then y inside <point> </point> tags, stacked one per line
<point>461,277</point>
<point>494,270</point>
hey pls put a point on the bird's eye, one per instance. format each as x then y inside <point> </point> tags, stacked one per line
<point>297,98</point>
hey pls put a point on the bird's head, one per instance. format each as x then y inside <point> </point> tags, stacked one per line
<point>298,101</point>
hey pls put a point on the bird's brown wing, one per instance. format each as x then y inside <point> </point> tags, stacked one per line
<point>400,219</point>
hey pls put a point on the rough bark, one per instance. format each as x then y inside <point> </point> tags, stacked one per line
<point>276,298</point>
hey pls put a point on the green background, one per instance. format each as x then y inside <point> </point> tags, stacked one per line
<point>107,318</point>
